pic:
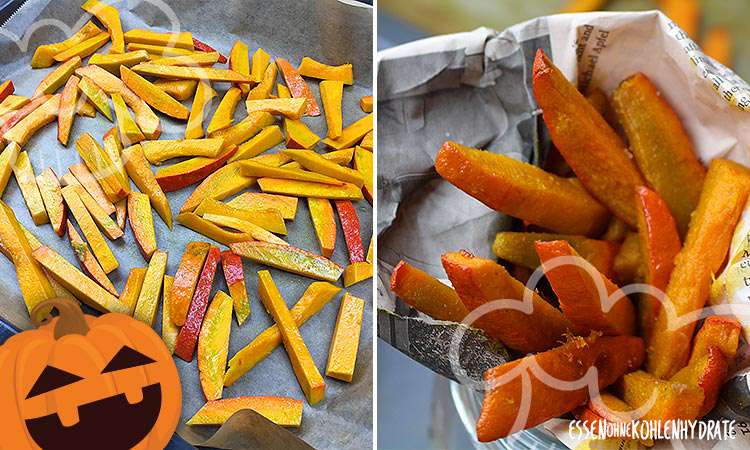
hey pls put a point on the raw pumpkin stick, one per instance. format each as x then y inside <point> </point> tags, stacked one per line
<point>260,62</point>
<point>589,145</point>
<point>342,355</point>
<point>365,103</point>
<point>426,294</point>
<point>188,337</point>
<point>67,111</point>
<point>202,101</point>
<point>190,171</point>
<point>49,188</point>
<point>267,138</point>
<point>130,134</point>
<point>83,287</point>
<point>240,63</point>
<point>283,411</point>
<point>89,264</point>
<point>169,330</point>
<point>725,192</point>
<point>304,367</point>
<point>113,148</point>
<point>7,161</point>
<point>341,157</point>
<point>179,89</point>
<point>84,108</point>
<point>190,73</point>
<point>269,219</point>
<point>83,49</point>
<point>88,227</point>
<point>350,227</point>
<point>224,114</point>
<point>33,282</point>
<point>331,93</point>
<point>661,147</point>
<point>263,89</point>
<point>102,219</point>
<point>41,116</point>
<point>152,95</point>
<point>201,59</point>
<point>235,278</point>
<point>290,259</point>
<point>211,230</point>
<point>213,345</point>
<point>178,40</point>
<point>140,172</point>
<point>286,206</point>
<point>186,279</point>
<point>44,54</point>
<point>298,135</point>
<point>142,223</point>
<point>292,108</point>
<point>612,356</point>
<point>659,244</point>
<point>314,69</point>
<point>244,226</point>
<point>113,61</point>
<point>583,304</point>
<point>24,173</point>
<point>363,164</point>
<point>324,222</point>
<point>57,78</point>
<point>244,130</point>
<point>11,118</point>
<point>148,299</point>
<point>518,248</point>
<point>521,190</point>
<point>12,103</point>
<point>101,167</point>
<point>132,289</point>
<point>79,175</point>
<point>219,185</point>
<point>110,17</point>
<point>203,47</point>
<point>158,51</point>
<point>351,134</point>
<point>314,162</point>
<point>297,86</point>
<point>297,188</point>
<point>250,168</point>
<point>97,96</point>
<point>357,272</point>
<point>479,281</point>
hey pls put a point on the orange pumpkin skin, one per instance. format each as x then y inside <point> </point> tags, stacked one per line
<point>24,356</point>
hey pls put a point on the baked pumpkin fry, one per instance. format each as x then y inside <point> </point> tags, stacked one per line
<point>110,17</point>
<point>234,275</point>
<point>659,244</point>
<point>324,222</point>
<point>672,400</point>
<point>290,259</point>
<point>717,331</point>
<point>661,147</point>
<point>707,372</point>
<point>518,248</point>
<point>314,69</point>
<point>283,411</point>
<point>89,264</point>
<point>725,192</point>
<point>612,356</point>
<point>298,86</point>
<point>304,367</point>
<point>521,190</point>
<point>480,281</point>
<point>152,95</point>
<point>44,54</point>
<point>342,355</point>
<point>185,280</point>
<point>213,345</point>
<point>426,293</point>
<point>580,299</point>
<point>593,150</point>
<point>88,227</point>
<point>140,172</point>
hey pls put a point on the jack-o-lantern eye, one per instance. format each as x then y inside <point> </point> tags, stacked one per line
<point>126,358</point>
<point>50,379</point>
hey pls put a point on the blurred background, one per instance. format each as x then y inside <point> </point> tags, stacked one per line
<point>416,407</point>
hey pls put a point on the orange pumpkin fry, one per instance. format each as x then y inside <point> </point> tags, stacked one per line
<point>6,89</point>
<point>44,54</point>
<point>265,86</point>
<point>721,332</point>
<point>314,69</point>
<point>81,175</point>
<point>84,49</point>
<point>593,150</point>
<point>8,159</point>
<point>286,206</point>
<point>260,62</point>
<point>314,162</point>
<point>203,47</point>
<point>152,95</point>
<point>140,172</point>
<point>725,192</point>
<point>426,294</point>
<point>83,287</point>
<point>244,130</point>
<point>282,411</point>
<point>324,222</point>
<point>159,151</point>
<point>142,223</point>
<point>132,289</point>
<point>57,78</point>
<point>185,280</point>
<point>628,265</point>
<point>298,86</point>
<point>297,188</point>
<point>41,116</point>
<point>518,248</point>
<point>101,167</point>
<point>305,370</point>
<point>102,219</point>
<point>240,63</point>
<point>479,281</point>
<point>613,356</point>
<point>219,185</point>
<point>290,259</point>
<point>293,108</point>
<point>169,330</point>
<point>224,115</point>
<point>199,59</point>
<point>342,355</point>
<point>269,219</point>
<point>113,61</point>
<point>707,372</point>
<point>110,17</point>
<point>12,103</point>
<point>190,171</point>
<point>298,135</point>
<point>233,274</point>
<point>67,111</point>
<point>96,96</point>
<point>88,227</point>
<point>331,93</point>
<point>672,400</point>
<point>24,174</point>
<point>130,134</point>
<point>580,299</point>
<point>267,138</point>
<point>243,226</point>
<point>250,168</point>
<point>213,345</point>
<point>717,43</point>
<point>366,103</point>
<point>685,13</point>
<point>49,188</point>
<point>521,190</point>
<point>211,230</point>
<point>659,244</point>
<point>34,285</point>
<point>357,272</point>
<point>178,40</point>
<point>179,89</point>
<point>661,146</point>
<point>351,134</point>
<point>89,264</point>
<point>190,73</point>
<point>10,119</point>
<point>148,298</point>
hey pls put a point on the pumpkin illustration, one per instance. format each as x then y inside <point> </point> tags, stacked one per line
<point>85,382</point>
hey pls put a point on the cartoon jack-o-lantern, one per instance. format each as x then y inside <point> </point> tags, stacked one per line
<point>85,382</point>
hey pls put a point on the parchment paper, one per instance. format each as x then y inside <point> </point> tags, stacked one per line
<point>325,30</point>
<point>475,88</point>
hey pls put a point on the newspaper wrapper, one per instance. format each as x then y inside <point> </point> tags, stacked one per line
<point>475,88</point>
<point>327,30</point>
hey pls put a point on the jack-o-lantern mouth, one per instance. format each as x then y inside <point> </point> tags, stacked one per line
<point>110,423</point>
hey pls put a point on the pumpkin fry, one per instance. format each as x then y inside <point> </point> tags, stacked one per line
<point>8,159</point>
<point>716,331</point>
<point>203,96</point>
<point>351,134</point>
<point>231,264</point>
<point>331,93</point>
<point>213,345</point>
<point>314,69</point>
<point>159,151</point>
<point>113,61</point>
<point>211,230</point>
<point>169,330</point>
<point>357,272</point>
<point>142,223</point>
<point>324,222</point>
<point>178,40</point>
<point>708,373</point>
<point>240,63</point>
<point>250,168</point>
<point>10,119</point>
<point>67,109</point>
<point>24,173</point>
<point>224,114</point>
<point>49,188</point>
<point>83,49</point>
<point>12,103</point>
<point>342,354</point>
<point>190,171</point>
<point>82,176</point>
<point>110,17</point>
<point>365,103</point>
<point>152,95</point>
<point>200,59</point>
<point>130,134</point>
<point>132,289</point>
<point>297,86</point>
<point>89,264</point>
<point>203,47</point>
<point>269,219</point>
<point>41,116</point>
<point>244,130</point>
<point>57,78</point>
<point>44,54</point>
<point>286,206</point>
<point>185,280</point>
<point>363,164</point>
<point>179,89</point>
<point>426,294</point>
<point>314,162</point>
<point>671,399</point>
<point>298,135</point>
<point>292,108</point>
<point>219,185</point>
<point>88,227</point>
<point>282,411</point>
<point>265,86</point>
<point>97,96</point>
<point>244,226</point>
<point>350,227</point>
<point>290,259</point>
<point>140,172</point>
<point>101,167</point>
<point>148,299</point>
<point>297,188</point>
<point>190,73</point>
<point>265,139</point>
<point>260,63</point>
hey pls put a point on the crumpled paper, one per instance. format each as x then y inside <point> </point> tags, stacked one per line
<point>475,88</point>
<point>326,30</point>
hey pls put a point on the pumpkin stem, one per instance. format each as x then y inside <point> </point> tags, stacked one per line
<point>70,320</point>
